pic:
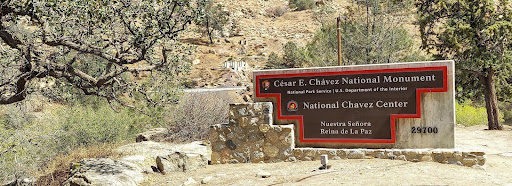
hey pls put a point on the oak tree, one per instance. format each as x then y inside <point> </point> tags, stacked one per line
<point>93,48</point>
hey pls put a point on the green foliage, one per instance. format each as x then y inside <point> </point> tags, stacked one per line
<point>506,111</point>
<point>301,4</point>
<point>469,115</point>
<point>293,57</point>
<point>274,62</point>
<point>477,35</point>
<point>372,33</point>
<point>95,122</point>
<point>211,18</point>
<point>30,139</point>
<point>94,48</point>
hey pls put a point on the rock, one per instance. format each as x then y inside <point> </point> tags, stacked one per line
<point>392,157</point>
<point>230,144</point>
<point>481,160</point>
<point>270,150</point>
<point>402,157</point>
<point>264,128</point>
<point>179,161</point>
<point>336,158</point>
<point>190,181</point>
<point>478,153</point>
<point>356,154</point>
<point>257,156</point>
<point>144,153</point>
<point>439,158</point>
<point>263,174</point>
<point>272,136</point>
<point>196,61</point>
<point>104,171</point>
<point>469,162</point>
<point>426,158</point>
<point>206,180</point>
<point>381,155</point>
<point>20,182</point>
<point>156,134</point>
<point>292,159</point>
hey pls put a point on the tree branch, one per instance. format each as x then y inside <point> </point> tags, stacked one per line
<point>20,93</point>
<point>8,38</point>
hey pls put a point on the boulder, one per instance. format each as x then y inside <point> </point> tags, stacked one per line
<point>190,182</point>
<point>206,180</point>
<point>145,153</point>
<point>156,134</point>
<point>180,161</point>
<point>104,171</point>
<point>20,182</point>
<point>263,174</point>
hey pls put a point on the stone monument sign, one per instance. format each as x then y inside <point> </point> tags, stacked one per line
<point>401,105</point>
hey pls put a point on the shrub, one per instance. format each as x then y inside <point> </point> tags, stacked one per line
<point>506,111</point>
<point>194,114</point>
<point>30,140</point>
<point>276,11</point>
<point>301,4</point>
<point>92,124</point>
<point>469,115</point>
<point>57,170</point>
<point>274,62</point>
<point>293,57</point>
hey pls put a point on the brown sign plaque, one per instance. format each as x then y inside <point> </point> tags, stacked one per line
<point>350,106</point>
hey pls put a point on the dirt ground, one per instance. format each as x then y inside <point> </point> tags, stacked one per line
<point>498,171</point>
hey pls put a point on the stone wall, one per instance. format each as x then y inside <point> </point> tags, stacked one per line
<point>251,137</point>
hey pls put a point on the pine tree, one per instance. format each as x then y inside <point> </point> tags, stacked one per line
<point>477,35</point>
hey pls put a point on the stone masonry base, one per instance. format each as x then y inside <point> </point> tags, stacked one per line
<point>250,137</point>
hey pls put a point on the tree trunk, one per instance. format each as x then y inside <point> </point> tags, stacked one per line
<point>208,30</point>
<point>491,102</point>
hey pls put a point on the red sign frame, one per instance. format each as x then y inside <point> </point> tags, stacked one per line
<point>393,117</point>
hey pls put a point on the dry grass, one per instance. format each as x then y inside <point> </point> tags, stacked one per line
<point>57,170</point>
<point>276,11</point>
<point>192,117</point>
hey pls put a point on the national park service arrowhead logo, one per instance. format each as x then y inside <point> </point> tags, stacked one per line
<point>265,84</point>
<point>292,106</point>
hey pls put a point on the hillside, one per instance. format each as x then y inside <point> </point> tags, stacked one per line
<point>250,35</point>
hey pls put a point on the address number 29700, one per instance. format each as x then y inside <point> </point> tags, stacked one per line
<point>424,130</point>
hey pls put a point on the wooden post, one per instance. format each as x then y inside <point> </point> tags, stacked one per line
<point>338,20</point>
